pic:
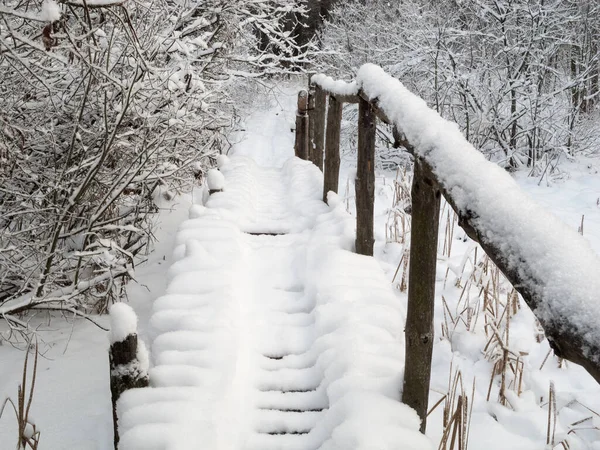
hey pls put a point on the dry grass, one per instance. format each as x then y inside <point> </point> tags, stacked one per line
<point>397,227</point>
<point>585,424</point>
<point>486,303</point>
<point>398,222</point>
<point>28,435</point>
<point>457,413</point>
<point>496,303</point>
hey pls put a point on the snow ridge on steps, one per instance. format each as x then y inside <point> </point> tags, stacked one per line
<point>269,199</point>
<point>272,342</point>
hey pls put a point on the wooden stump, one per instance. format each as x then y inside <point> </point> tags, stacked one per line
<point>332,147</point>
<point>124,373</point>
<point>421,290</point>
<point>365,178</point>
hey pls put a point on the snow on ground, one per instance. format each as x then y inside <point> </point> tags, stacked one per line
<point>71,405</point>
<point>523,422</point>
<point>571,194</point>
<point>71,402</point>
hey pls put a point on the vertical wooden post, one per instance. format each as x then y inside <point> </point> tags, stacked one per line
<point>332,147</point>
<point>421,290</point>
<point>365,177</point>
<point>126,372</point>
<point>317,119</point>
<point>311,123</point>
<point>301,145</point>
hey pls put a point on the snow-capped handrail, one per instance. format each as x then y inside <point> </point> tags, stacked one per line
<point>548,263</point>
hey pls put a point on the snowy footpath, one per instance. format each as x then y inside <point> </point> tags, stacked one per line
<point>272,333</point>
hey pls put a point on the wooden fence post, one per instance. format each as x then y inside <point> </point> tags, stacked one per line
<point>421,290</point>
<point>332,147</point>
<point>301,145</point>
<point>365,177</point>
<point>126,370</point>
<point>311,122</point>
<point>317,125</point>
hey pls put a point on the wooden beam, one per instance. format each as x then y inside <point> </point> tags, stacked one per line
<point>381,115</point>
<point>311,124</point>
<point>421,290</point>
<point>318,127</point>
<point>301,144</point>
<point>332,147</point>
<point>365,178</point>
<point>122,356</point>
<point>345,98</point>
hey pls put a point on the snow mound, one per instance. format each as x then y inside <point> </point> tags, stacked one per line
<point>271,200</point>
<point>50,11</point>
<point>123,322</point>
<point>215,179</point>
<point>336,87</point>
<point>222,160</point>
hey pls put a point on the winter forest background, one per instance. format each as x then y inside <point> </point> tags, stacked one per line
<point>107,106</point>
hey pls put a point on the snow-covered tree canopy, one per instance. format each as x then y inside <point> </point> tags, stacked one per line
<point>520,77</point>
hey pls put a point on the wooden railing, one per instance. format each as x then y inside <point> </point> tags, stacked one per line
<point>318,140</point>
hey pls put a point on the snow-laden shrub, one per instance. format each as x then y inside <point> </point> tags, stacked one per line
<point>106,110</point>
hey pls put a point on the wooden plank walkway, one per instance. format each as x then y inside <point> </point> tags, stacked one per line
<point>273,333</point>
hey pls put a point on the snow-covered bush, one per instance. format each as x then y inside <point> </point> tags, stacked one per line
<point>106,109</point>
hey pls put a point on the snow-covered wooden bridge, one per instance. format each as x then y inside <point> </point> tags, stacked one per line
<point>275,334</point>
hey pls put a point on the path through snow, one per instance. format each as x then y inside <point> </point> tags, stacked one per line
<point>272,334</point>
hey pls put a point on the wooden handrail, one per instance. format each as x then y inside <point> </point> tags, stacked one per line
<point>568,338</point>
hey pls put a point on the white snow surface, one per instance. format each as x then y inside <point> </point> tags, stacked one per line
<point>270,199</point>
<point>262,342</point>
<point>50,11</point>
<point>215,180</point>
<point>553,258</point>
<point>222,160</point>
<point>335,87</point>
<point>123,322</point>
